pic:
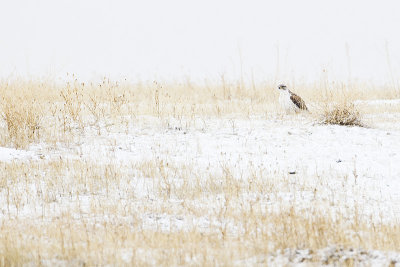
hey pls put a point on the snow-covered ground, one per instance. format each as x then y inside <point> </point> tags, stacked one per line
<point>290,146</point>
<point>349,166</point>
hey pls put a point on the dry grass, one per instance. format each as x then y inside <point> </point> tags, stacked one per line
<point>89,214</point>
<point>23,120</point>
<point>57,112</point>
<point>342,114</point>
<point>86,213</point>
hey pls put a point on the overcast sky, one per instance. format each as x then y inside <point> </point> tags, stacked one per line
<point>174,38</point>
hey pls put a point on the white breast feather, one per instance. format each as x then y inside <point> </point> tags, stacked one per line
<point>286,103</point>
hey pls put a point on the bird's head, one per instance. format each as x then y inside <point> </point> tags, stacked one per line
<point>282,87</point>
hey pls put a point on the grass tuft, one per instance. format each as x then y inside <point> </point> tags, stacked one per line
<point>342,114</point>
<point>23,119</point>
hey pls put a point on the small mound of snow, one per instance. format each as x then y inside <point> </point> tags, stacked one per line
<point>9,154</point>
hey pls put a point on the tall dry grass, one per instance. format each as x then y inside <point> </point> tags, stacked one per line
<point>55,111</point>
<point>75,212</point>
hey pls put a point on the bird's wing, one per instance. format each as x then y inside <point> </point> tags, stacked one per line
<point>298,101</point>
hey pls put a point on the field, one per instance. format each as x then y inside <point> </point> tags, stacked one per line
<point>172,174</point>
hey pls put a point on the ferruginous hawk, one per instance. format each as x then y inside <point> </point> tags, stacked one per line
<point>290,101</point>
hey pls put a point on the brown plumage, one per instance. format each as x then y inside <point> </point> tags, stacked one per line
<point>298,101</point>
<point>290,101</point>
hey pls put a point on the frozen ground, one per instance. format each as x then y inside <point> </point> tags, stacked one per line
<point>292,146</point>
<point>349,166</point>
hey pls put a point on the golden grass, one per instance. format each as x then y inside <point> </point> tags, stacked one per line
<point>111,227</point>
<point>46,221</point>
<point>53,111</point>
<point>23,121</point>
<point>79,243</point>
<point>342,114</point>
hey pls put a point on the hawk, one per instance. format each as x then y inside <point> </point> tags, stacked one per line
<point>290,101</point>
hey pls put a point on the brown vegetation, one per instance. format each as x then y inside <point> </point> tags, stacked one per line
<point>77,212</point>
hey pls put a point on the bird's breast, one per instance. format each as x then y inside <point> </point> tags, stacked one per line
<point>285,102</point>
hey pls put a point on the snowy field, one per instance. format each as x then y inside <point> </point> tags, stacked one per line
<point>207,190</point>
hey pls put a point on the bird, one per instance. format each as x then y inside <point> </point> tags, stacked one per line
<point>290,101</point>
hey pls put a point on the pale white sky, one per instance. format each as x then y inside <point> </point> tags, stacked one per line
<point>170,39</point>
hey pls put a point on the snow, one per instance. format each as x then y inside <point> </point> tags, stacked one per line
<point>330,256</point>
<point>9,154</point>
<point>378,102</point>
<point>293,145</point>
<point>296,147</point>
